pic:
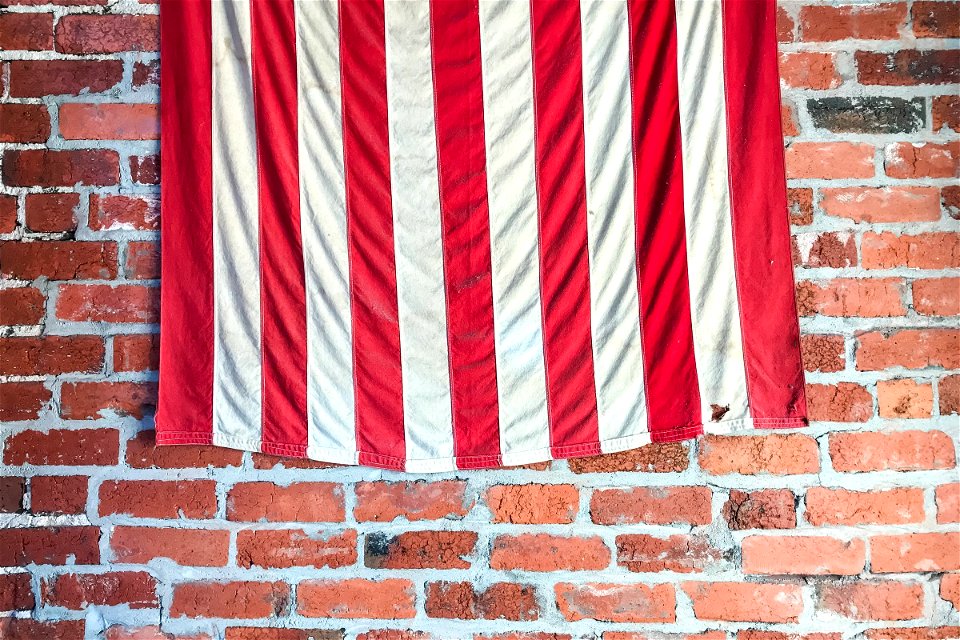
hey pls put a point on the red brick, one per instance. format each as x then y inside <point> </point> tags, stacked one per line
<point>667,457</point>
<point>744,601</point>
<point>763,509</point>
<point>800,206</point>
<point>651,505</point>
<point>893,450</point>
<point>8,208</point>
<point>852,298</point>
<point>22,400</point>
<point>49,168</point>
<point>118,632</point>
<point>51,545</point>
<point>946,113</point>
<point>52,212</point>
<point>12,490</point>
<point>545,552</point>
<point>397,634</point>
<point>29,629</point>
<point>145,169</point>
<point>145,73</point>
<point>681,553</point>
<point>948,503</point>
<point>915,552</point>
<point>21,306</point>
<point>265,461</point>
<point>23,122</point>
<point>774,454</point>
<point>821,353</point>
<point>829,160</point>
<point>108,33</point>
<point>950,589</point>
<point>193,499</point>
<point>58,494</point>
<point>803,555</point>
<point>908,348</point>
<point>284,548</point>
<point>419,500</point>
<point>922,160</point>
<point>904,399</point>
<point>873,600</point>
<point>138,352</point>
<point>616,602</point>
<point>109,121</point>
<point>862,22</point>
<point>298,502</point>
<point>949,388</point>
<point>391,599</point>
<point>882,204</point>
<point>809,70</point>
<point>106,303</point>
<point>50,355</point>
<point>58,260</point>
<point>16,594</point>
<point>935,20</point>
<point>835,249</point>
<point>784,26</point>
<point>419,550</point>
<point>40,78</point>
<point>143,260</point>
<point>925,251</point>
<point>110,213</point>
<point>908,67</point>
<point>533,503</point>
<point>937,296</point>
<point>63,447</point>
<point>134,589</point>
<point>143,453</point>
<point>788,119</point>
<point>842,402</point>
<point>26,31</point>
<point>86,400</point>
<point>463,601</point>
<point>187,547</point>
<point>230,600</point>
<point>843,507</point>
<point>274,633</point>
<point>914,633</point>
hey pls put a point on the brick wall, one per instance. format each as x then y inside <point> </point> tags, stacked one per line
<point>847,528</point>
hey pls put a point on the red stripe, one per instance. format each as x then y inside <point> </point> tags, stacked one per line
<point>561,191</point>
<point>185,411</point>
<point>282,294</point>
<point>771,336</point>
<point>462,161</point>
<point>373,279</point>
<point>673,395</point>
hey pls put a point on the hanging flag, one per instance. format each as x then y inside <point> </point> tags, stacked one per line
<point>442,234</point>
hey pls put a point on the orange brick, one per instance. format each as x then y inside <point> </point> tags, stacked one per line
<point>922,160</point>
<point>419,550</point>
<point>661,457</point>
<point>946,113</point>
<point>533,503</point>
<point>651,505</point>
<point>882,204</point>
<point>744,601</point>
<point>809,70</point>
<point>464,601</point>
<point>853,298</point>
<point>829,160</point>
<point>842,402</point>
<point>822,353</point>
<point>949,389</point>
<point>948,503</point>
<point>882,21</point>
<point>873,600</point>
<point>788,121</point>
<point>893,450</point>
<point>763,509</point>
<point>937,296</point>
<point>681,553</point>
<point>194,499</point>
<point>843,507</point>
<point>780,454</point>
<point>905,399</point>
<point>950,589</point>
<point>887,250</point>
<point>230,600</point>
<point>284,548</point>
<point>391,599</point>
<point>387,501</point>
<point>915,552</point>
<point>545,552</point>
<point>803,555</point>
<point>298,502</point>
<point>187,547</point>
<point>104,121</point>
<point>830,249</point>
<point>616,602</point>
<point>909,348</point>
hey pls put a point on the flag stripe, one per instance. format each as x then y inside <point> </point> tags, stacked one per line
<point>458,87</point>
<point>187,309</point>
<point>615,307</point>
<point>330,393</point>
<point>505,49</point>
<point>373,285</point>
<point>716,322</point>
<point>283,304</point>
<point>673,396</point>
<point>237,340</point>
<point>561,190</point>
<point>761,232</point>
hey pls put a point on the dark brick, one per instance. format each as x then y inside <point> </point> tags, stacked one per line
<point>868,115</point>
<point>909,67</point>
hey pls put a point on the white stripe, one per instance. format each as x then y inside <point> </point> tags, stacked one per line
<point>323,224</point>
<point>514,247</point>
<point>611,231</point>
<point>236,246</point>
<point>717,341</point>
<point>421,296</point>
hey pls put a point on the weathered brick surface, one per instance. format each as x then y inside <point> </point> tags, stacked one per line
<point>846,530</point>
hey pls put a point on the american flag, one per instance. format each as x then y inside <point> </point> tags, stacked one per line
<point>440,234</point>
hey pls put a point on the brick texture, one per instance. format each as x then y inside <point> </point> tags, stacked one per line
<point>847,530</point>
